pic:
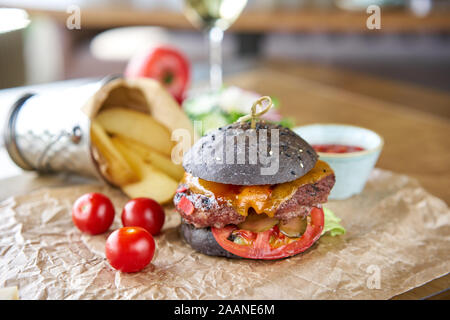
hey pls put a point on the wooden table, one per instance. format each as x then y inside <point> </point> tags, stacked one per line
<point>416,137</point>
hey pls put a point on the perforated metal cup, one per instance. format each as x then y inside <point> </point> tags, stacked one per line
<point>50,133</point>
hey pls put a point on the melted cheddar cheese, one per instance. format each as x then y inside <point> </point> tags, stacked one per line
<point>263,199</point>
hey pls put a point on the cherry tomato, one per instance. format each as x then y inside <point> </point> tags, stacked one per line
<point>145,213</point>
<point>93,213</point>
<point>271,244</point>
<point>165,64</point>
<point>130,249</point>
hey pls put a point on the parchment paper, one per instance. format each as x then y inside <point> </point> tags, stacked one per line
<point>398,237</point>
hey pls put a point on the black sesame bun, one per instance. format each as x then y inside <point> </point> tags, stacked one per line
<point>269,162</point>
<point>203,241</point>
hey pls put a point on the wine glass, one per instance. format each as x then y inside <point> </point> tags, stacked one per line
<point>214,16</point>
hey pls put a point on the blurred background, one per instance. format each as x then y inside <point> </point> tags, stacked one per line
<point>406,62</point>
<point>36,46</point>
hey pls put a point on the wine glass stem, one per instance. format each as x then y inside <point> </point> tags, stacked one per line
<point>215,36</point>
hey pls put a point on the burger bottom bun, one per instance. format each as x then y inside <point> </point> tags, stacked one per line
<point>203,241</point>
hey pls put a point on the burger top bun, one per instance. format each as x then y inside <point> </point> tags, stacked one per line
<point>237,154</point>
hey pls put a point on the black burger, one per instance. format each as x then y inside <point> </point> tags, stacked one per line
<point>252,191</point>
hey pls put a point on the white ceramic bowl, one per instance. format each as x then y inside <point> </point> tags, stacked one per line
<point>351,169</point>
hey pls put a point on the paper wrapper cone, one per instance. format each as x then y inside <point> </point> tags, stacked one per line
<point>398,237</point>
<point>140,94</point>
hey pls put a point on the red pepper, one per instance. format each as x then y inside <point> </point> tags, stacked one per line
<point>181,189</point>
<point>185,206</point>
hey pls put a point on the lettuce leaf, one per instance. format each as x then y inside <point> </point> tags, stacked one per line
<point>332,224</point>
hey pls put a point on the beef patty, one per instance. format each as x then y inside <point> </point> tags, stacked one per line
<point>208,212</point>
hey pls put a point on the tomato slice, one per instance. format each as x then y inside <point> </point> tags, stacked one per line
<point>167,65</point>
<point>262,246</point>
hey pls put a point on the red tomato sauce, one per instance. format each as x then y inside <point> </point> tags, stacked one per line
<point>336,148</point>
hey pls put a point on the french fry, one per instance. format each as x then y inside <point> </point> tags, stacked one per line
<point>153,184</point>
<point>115,166</point>
<point>137,126</point>
<point>153,157</point>
<point>133,159</point>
